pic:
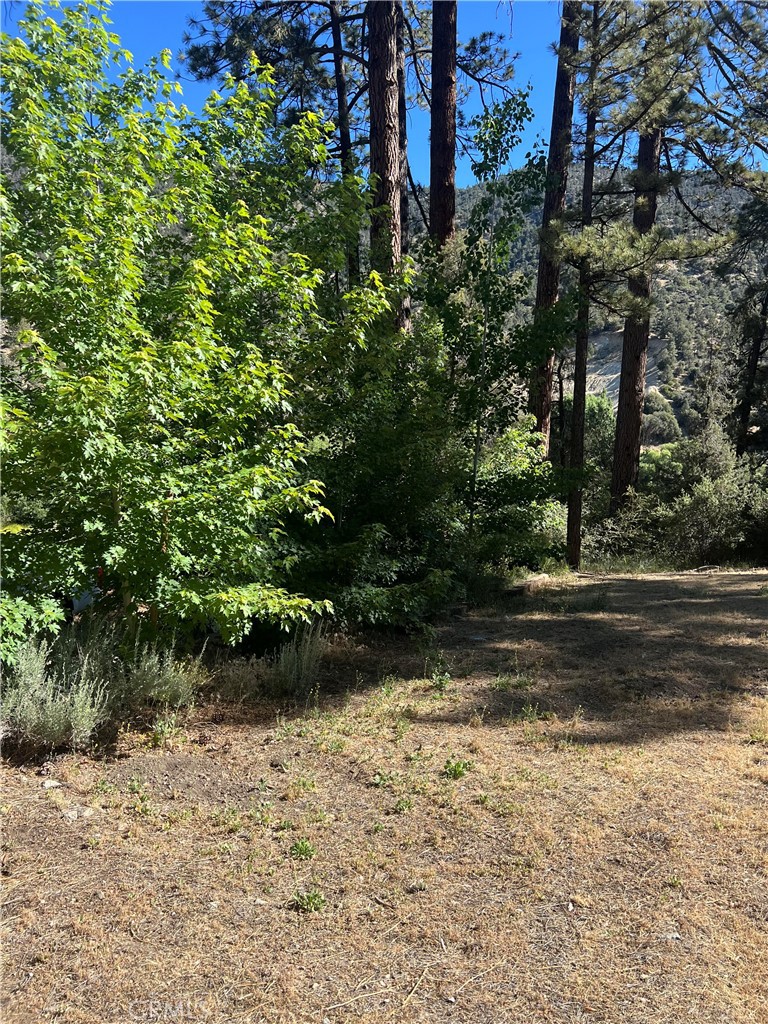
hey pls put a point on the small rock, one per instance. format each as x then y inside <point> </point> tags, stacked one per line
<point>73,813</point>
<point>52,784</point>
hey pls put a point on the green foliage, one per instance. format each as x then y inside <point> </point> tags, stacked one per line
<point>697,502</point>
<point>148,439</point>
<point>23,618</point>
<point>60,692</point>
<point>456,768</point>
<point>659,424</point>
<point>308,901</point>
<point>48,709</point>
<point>518,520</point>
<point>303,849</point>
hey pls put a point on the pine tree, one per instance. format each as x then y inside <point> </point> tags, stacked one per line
<point>578,414</point>
<point>385,133</point>
<point>442,142</point>
<point>548,280</point>
<point>665,65</point>
<point>637,326</point>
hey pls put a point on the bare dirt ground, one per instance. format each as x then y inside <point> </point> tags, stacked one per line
<point>597,850</point>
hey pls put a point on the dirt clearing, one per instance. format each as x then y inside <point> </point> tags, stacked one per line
<point>553,811</point>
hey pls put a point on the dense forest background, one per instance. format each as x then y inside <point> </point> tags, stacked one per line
<point>257,378</point>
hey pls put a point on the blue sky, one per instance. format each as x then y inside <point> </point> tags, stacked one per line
<point>148,26</point>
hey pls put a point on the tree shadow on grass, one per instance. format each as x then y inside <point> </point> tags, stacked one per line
<point>627,657</point>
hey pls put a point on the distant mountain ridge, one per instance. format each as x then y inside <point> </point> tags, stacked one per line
<point>690,299</point>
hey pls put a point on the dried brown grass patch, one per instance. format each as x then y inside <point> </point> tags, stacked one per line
<point>603,859</point>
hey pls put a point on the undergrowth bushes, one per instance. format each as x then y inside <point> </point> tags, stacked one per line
<point>696,503</point>
<point>60,693</point>
<point>290,671</point>
<point>49,708</point>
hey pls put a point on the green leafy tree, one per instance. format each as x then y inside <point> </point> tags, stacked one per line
<point>150,447</point>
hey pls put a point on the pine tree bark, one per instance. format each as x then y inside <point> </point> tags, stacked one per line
<point>760,329</point>
<point>345,136</point>
<point>637,328</point>
<point>548,279</point>
<point>402,119</point>
<point>579,408</point>
<point>442,140</point>
<point>385,133</point>
<point>404,311</point>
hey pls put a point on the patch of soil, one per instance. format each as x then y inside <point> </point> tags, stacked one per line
<point>566,822</point>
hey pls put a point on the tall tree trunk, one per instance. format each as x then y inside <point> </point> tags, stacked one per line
<point>548,280</point>
<point>404,312</point>
<point>565,452</point>
<point>760,329</point>
<point>385,133</point>
<point>579,410</point>
<point>442,139</point>
<point>345,137</point>
<point>637,328</point>
<point>402,138</point>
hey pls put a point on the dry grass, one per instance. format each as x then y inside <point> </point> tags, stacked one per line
<point>601,857</point>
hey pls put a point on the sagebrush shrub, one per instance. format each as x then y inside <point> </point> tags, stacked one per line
<point>59,693</point>
<point>52,709</point>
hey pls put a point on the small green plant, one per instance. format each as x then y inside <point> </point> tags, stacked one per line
<point>228,818</point>
<point>283,728</point>
<point>515,681</point>
<point>415,756</point>
<point>381,779</point>
<point>401,727</point>
<point>303,849</point>
<point>284,826</point>
<point>403,805</point>
<point>388,685</point>
<point>141,803</point>
<point>377,827</point>
<point>262,814</point>
<point>530,713</point>
<point>164,730</point>
<point>308,901</point>
<point>456,768</point>
<point>440,680</point>
<point>334,746</point>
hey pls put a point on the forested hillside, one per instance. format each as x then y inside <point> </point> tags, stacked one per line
<point>691,351</point>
